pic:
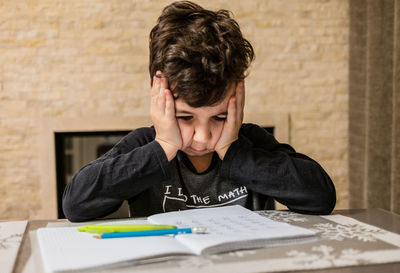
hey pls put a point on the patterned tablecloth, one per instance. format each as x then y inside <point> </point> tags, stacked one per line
<point>342,241</point>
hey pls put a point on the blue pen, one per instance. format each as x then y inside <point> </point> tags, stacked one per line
<point>149,233</point>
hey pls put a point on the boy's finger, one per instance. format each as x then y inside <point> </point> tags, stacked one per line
<point>169,104</point>
<point>231,110</point>
<point>163,86</point>
<point>164,83</point>
<point>155,89</point>
<point>161,101</point>
<point>240,94</point>
<point>156,82</point>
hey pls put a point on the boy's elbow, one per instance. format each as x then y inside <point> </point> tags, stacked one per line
<point>323,203</point>
<point>71,209</point>
<point>73,218</point>
<point>70,212</point>
<point>85,209</point>
<point>324,209</point>
<point>323,199</point>
<point>326,203</point>
<point>317,204</point>
<point>327,198</point>
<point>329,205</point>
<point>73,214</point>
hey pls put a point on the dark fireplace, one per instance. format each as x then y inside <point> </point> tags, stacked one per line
<point>76,149</point>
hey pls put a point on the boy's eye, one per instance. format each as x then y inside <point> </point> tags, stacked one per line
<point>220,118</point>
<point>184,117</point>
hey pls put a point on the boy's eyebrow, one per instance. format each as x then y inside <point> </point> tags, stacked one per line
<point>222,114</point>
<point>190,113</point>
<point>183,112</point>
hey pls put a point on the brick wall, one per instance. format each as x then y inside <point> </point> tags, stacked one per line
<point>74,59</point>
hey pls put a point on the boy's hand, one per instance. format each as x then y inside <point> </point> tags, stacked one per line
<point>162,111</point>
<point>233,122</point>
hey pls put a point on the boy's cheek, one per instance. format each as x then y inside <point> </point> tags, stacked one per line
<point>186,134</point>
<point>217,132</point>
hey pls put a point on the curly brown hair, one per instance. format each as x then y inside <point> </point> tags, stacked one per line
<point>201,52</point>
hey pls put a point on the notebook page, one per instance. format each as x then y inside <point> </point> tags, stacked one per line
<point>11,234</point>
<point>229,228</point>
<point>68,249</point>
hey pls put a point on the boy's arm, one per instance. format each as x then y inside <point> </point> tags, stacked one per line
<point>263,165</point>
<point>132,166</point>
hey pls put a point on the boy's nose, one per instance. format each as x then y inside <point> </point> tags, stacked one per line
<point>201,134</point>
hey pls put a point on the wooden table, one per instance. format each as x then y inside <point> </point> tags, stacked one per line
<point>377,217</point>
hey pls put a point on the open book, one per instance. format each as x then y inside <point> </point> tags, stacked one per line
<point>11,234</point>
<point>228,228</point>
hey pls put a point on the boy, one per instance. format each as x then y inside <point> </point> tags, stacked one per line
<point>198,154</point>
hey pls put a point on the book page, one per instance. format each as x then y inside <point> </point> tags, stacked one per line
<point>10,240</point>
<point>229,228</point>
<point>65,248</point>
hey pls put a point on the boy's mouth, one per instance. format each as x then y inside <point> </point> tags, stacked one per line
<point>198,151</point>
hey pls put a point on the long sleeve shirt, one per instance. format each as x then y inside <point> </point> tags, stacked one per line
<point>136,169</point>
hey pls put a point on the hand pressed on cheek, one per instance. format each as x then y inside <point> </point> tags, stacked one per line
<point>162,112</point>
<point>234,120</point>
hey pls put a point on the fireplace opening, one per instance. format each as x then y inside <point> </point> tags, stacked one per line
<point>76,149</point>
<point>73,150</point>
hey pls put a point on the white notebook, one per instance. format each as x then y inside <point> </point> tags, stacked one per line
<point>228,228</point>
<point>11,234</point>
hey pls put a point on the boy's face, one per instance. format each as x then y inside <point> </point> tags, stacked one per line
<point>201,127</point>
